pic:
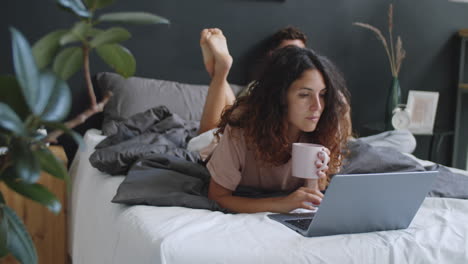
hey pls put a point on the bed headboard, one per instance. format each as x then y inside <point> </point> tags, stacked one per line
<point>172,52</point>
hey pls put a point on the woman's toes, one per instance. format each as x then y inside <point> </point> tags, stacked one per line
<point>216,31</point>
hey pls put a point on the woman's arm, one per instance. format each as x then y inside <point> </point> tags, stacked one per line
<point>301,198</point>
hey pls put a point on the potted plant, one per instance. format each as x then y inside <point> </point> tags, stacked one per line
<point>395,55</point>
<point>38,95</point>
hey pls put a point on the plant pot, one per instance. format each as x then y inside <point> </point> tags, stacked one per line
<point>393,100</point>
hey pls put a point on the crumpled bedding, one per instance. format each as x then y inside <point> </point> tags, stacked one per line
<point>155,131</point>
<point>164,173</point>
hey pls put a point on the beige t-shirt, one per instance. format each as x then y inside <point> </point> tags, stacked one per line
<point>233,164</point>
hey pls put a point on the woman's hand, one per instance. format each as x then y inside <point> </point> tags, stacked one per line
<point>322,163</point>
<point>301,198</point>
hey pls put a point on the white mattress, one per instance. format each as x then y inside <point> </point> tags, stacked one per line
<point>103,232</point>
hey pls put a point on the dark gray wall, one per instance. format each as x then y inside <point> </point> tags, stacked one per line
<point>428,29</point>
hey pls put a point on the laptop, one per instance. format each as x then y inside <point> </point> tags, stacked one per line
<point>359,203</point>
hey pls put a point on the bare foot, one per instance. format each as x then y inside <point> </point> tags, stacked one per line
<point>218,46</point>
<point>208,58</point>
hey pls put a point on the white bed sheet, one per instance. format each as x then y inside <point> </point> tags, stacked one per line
<point>103,232</point>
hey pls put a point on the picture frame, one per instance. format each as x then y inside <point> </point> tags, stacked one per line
<point>422,106</point>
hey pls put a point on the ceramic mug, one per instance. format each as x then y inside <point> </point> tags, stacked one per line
<point>304,157</point>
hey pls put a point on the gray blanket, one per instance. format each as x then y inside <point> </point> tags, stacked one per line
<point>155,131</point>
<point>150,148</point>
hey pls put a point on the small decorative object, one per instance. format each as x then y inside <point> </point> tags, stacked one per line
<point>401,117</point>
<point>395,54</point>
<point>422,107</point>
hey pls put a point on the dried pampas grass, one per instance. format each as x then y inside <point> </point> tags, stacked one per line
<point>395,55</point>
<point>400,54</point>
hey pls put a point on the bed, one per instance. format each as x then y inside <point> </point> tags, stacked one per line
<point>105,232</point>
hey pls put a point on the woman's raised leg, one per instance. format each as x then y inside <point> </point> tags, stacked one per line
<point>217,62</point>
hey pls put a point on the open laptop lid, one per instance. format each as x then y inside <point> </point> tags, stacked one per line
<point>357,203</point>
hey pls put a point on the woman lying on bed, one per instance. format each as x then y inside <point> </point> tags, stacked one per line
<point>220,94</point>
<point>297,99</point>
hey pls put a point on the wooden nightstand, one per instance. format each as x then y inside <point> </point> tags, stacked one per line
<point>48,231</point>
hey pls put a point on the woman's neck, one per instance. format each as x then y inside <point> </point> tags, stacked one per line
<point>294,135</point>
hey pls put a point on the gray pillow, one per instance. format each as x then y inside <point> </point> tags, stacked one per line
<point>137,94</point>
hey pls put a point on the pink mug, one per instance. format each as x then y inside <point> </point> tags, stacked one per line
<point>304,157</point>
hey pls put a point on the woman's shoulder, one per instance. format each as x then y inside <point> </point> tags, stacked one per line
<point>236,133</point>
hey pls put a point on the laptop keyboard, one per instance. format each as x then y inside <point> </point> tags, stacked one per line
<point>301,223</point>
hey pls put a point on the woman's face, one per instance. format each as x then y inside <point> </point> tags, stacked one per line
<point>306,101</point>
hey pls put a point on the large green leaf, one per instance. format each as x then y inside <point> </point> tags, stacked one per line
<point>68,62</point>
<point>75,6</point>
<point>3,233</point>
<point>112,35</point>
<point>25,67</point>
<point>60,126</point>
<point>26,166</point>
<point>119,58</point>
<point>59,102</point>
<point>10,121</point>
<point>78,33</point>
<point>35,192</point>
<point>10,94</point>
<point>51,164</point>
<point>133,18</point>
<point>97,4</point>
<point>47,80</point>
<point>94,32</point>
<point>19,243</point>
<point>44,49</point>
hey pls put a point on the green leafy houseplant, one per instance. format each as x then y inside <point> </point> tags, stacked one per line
<point>39,96</point>
<point>395,54</point>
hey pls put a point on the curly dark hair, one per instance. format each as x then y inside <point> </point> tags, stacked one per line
<point>287,33</point>
<point>262,115</point>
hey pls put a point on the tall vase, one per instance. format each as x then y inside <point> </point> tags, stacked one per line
<point>393,100</point>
